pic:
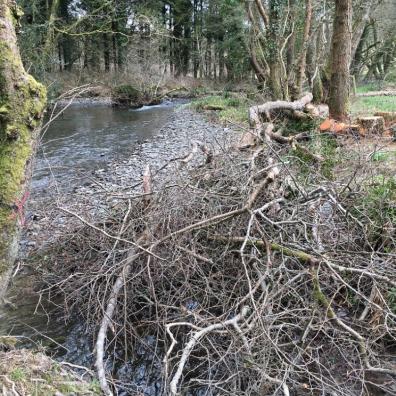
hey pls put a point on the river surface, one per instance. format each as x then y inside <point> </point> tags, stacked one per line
<point>78,143</point>
<point>85,138</point>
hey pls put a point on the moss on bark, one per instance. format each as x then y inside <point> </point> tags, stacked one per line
<point>22,103</point>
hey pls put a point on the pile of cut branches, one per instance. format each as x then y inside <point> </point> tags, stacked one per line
<point>257,274</point>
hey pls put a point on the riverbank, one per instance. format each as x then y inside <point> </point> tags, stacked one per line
<point>95,194</point>
<point>118,177</point>
<point>24,372</point>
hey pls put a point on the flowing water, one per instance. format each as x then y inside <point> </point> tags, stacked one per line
<point>78,143</point>
<point>84,138</point>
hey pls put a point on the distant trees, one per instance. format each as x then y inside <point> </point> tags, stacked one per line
<point>202,37</point>
<point>285,45</point>
<point>280,31</point>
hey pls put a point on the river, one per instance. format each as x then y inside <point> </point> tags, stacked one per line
<point>85,144</point>
<point>78,143</point>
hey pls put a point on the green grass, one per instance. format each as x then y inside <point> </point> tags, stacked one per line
<point>233,109</point>
<point>391,297</point>
<point>373,103</point>
<point>379,200</point>
<point>383,156</point>
<point>18,374</point>
<point>33,373</point>
<point>369,87</point>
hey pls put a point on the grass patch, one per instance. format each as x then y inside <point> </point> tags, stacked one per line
<point>373,103</point>
<point>293,126</point>
<point>378,203</point>
<point>228,108</point>
<point>391,297</point>
<point>369,87</point>
<point>18,374</point>
<point>33,373</point>
<point>383,156</point>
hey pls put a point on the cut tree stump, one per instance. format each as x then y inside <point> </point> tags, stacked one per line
<point>372,125</point>
<point>389,116</point>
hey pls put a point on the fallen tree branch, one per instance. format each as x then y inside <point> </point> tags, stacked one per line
<point>194,340</point>
<point>256,111</point>
<point>106,320</point>
<point>305,257</point>
<point>300,255</point>
<point>323,300</point>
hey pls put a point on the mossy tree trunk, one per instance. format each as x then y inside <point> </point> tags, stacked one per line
<point>22,102</point>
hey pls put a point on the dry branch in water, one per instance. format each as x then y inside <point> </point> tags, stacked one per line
<point>252,275</point>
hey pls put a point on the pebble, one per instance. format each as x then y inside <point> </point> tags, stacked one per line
<point>174,140</point>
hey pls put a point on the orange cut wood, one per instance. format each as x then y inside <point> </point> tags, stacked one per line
<point>326,125</point>
<point>339,127</point>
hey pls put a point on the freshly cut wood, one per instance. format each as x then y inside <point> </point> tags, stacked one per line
<point>339,128</point>
<point>389,116</point>
<point>376,93</point>
<point>372,125</point>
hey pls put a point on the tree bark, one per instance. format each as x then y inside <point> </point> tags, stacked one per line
<point>22,102</point>
<point>340,60</point>
<point>258,69</point>
<point>275,65</point>
<point>49,40</point>
<point>303,55</point>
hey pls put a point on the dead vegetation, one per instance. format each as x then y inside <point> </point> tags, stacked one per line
<point>269,270</point>
<point>24,373</point>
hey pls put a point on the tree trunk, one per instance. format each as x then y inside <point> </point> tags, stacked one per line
<point>258,69</point>
<point>50,39</point>
<point>106,53</point>
<point>367,7</point>
<point>340,60</point>
<point>303,54</point>
<point>291,43</point>
<point>275,65</point>
<point>357,54</point>
<point>22,102</point>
